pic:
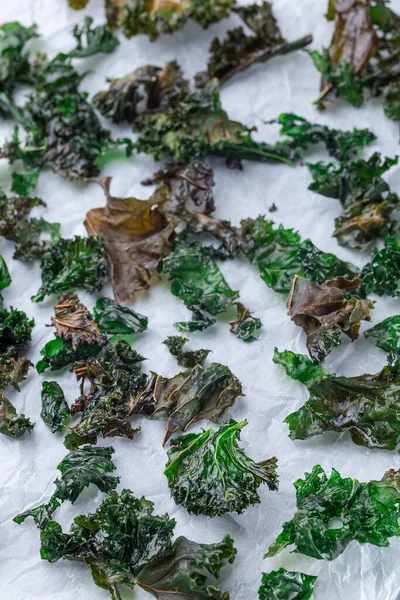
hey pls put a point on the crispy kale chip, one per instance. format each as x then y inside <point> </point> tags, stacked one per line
<point>197,279</point>
<point>325,312</point>
<point>196,393</point>
<point>12,372</point>
<point>386,334</point>
<point>5,277</point>
<point>80,468</point>
<point>198,322</point>
<point>71,264</point>
<point>24,183</point>
<point>136,236</point>
<point>58,354</point>
<point>369,512</point>
<point>238,51</point>
<point>74,323</point>
<point>245,326</point>
<point>367,406</point>
<point>381,275</point>
<point>299,367</point>
<point>15,332</point>
<point>92,40</point>
<point>14,63</point>
<point>114,319</point>
<point>55,410</point>
<point>209,474</point>
<point>115,383</point>
<point>286,585</point>
<point>280,254</point>
<point>364,195</point>
<point>124,544</point>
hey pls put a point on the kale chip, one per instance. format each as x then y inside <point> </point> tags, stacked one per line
<point>280,254</point>
<point>23,183</point>
<point>325,312</point>
<point>123,543</point>
<point>381,274</point>
<point>55,410</point>
<point>186,358</point>
<point>286,585</point>
<point>92,40</point>
<point>12,372</point>
<point>71,264</point>
<point>80,468</point>
<point>5,277</point>
<point>299,367</point>
<point>114,319</point>
<point>245,326</point>
<point>386,334</point>
<point>14,63</point>
<point>209,474</point>
<point>369,512</point>
<point>15,332</point>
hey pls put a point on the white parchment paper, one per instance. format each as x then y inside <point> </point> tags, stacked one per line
<point>28,465</point>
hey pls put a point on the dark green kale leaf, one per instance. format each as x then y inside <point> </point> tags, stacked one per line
<point>12,373</point>
<point>15,332</point>
<point>197,279</point>
<point>58,354</point>
<point>369,512</point>
<point>125,544</point>
<point>280,254</point>
<point>245,326</point>
<point>114,319</point>
<point>14,63</point>
<point>199,322</point>
<point>23,183</point>
<point>286,585</point>
<point>55,410</point>
<point>71,264</point>
<point>5,277</point>
<point>382,274</point>
<point>185,358</point>
<point>325,312</point>
<point>80,468</point>
<point>190,396</point>
<point>342,145</point>
<point>160,87</point>
<point>238,51</point>
<point>299,367</point>
<point>115,383</point>
<point>386,334</point>
<point>92,40</point>
<point>209,474</point>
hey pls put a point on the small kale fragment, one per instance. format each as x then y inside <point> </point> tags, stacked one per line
<point>23,183</point>
<point>199,322</point>
<point>325,312</point>
<point>245,326</point>
<point>286,585</point>
<point>80,468</point>
<point>74,323</point>
<point>280,254</point>
<point>55,409</point>
<point>12,373</point>
<point>381,275</point>
<point>15,332</point>
<point>71,264</point>
<point>114,319</point>
<point>136,236</point>
<point>299,367</point>
<point>92,40</point>
<point>369,512</point>
<point>185,358</point>
<point>238,51</point>
<point>209,474</point>
<point>5,277</point>
<point>124,544</point>
<point>386,334</point>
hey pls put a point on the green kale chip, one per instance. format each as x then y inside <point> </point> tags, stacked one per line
<point>280,254</point>
<point>299,367</point>
<point>123,543</point>
<point>386,334</point>
<point>114,319</point>
<point>15,332</point>
<point>92,40</point>
<point>209,474</point>
<point>55,410</point>
<point>382,274</point>
<point>5,277</point>
<point>245,326</point>
<point>286,585</point>
<point>186,358</point>
<point>12,372</point>
<point>14,63</point>
<point>80,468</point>
<point>58,354</point>
<point>198,322</point>
<point>369,512</point>
<point>23,183</point>
<point>71,264</point>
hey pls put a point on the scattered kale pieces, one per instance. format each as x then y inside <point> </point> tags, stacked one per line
<point>245,326</point>
<point>123,543</point>
<point>185,358</point>
<point>55,410</point>
<point>114,319</point>
<point>366,198</point>
<point>381,275</point>
<point>15,332</point>
<point>386,334</point>
<point>12,372</point>
<point>299,367</point>
<point>136,236</point>
<point>71,264</point>
<point>238,51</point>
<point>14,63</point>
<point>280,254</point>
<point>286,585</point>
<point>369,512</point>
<point>5,277</point>
<point>210,474</point>
<point>325,312</point>
<point>80,468</point>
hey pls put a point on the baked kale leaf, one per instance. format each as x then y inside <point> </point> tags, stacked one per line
<point>245,326</point>
<point>369,512</point>
<point>299,367</point>
<point>238,51</point>
<point>386,334</point>
<point>325,312</point>
<point>12,372</point>
<point>123,543</point>
<point>23,183</point>
<point>186,358</point>
<point>71,264</point>
<point>381,275</point>
<point>55,410</point>
<point>5,277</point>
<point>114,319</point>
<point>14,63</point>
<point>80,468</point>
<point>58,354</point>
<point>280,254</point>
<point>209,474</point>
<point>286,585</point>
<point>15,332</point>
<point>92,40</point>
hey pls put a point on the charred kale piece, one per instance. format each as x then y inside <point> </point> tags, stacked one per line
<point>245,326</point>
<point>15,332</point>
